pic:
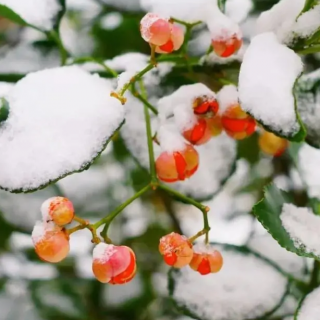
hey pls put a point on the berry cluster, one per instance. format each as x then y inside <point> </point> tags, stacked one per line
<point>178,252</point>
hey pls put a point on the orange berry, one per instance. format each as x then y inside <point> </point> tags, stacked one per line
<point>178,165</point>
<point>155,30</point>
<point>209,261</point>
<point>237,123</point>
<point>272,145</point>
<point>226,48</point>
<point>175,41</point>
<point>199,133</point>
<point>113,264</point>
<point>215,125</point>
<point>204,104</point>
<point>58,209</point>
<point>176,250</point>
<point>50,242</point>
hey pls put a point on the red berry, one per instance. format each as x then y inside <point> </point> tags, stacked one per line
<point>175,41</point>
<point>50,242</point>
<point>272,145</point>
<point>176,250</point>
<point>204,104</point>
<point>226,48</point>
<point>155,30</point>
<point>237,123</point>
<point>178,165</point>
<point>207,262</point>
<point>113,264</point>
<point>58,209</point>
<point>199,134</point>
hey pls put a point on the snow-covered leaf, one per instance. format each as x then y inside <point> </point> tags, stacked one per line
<point>308,102</point>
<point>221,296</point>
<point>38,13</point>
<point>267,77</point>
<point>217,157</point>
<point>308,159</point>
<point>59,121</point>
<point>310,307</point>
<point>295,229</point>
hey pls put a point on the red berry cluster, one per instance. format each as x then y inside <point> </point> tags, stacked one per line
<point>178,252</point>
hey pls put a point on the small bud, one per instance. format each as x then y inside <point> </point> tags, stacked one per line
<point>272,145</point>
<point>204,105</point>
<point>58,209</point>
<point>176,250</point>
<point>226,48</point>
<point>50,242</point>
<point>155,30</point>
<point>206,260</point>
<point>175,41</point>
<point>113,264</point>
<point>237,123</point>
<point>179,165</point>
<point>199,133</point>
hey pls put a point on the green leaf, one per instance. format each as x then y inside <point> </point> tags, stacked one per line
<point>11,15</point>
<point>222,5</point>
<point>268,211</point>
<point>4,110</point>
<point>309,4</point>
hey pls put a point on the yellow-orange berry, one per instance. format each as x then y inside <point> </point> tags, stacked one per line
<point>206,261</point>
<point>215,125</point>
<point>226,48</point>
<point>175,41</point>
<point>50,242</point>
<point>237,123</point>
<point>272,145</point>
<point>113,264</point>
<point>176,250</point>
<point>58,209</point>
<point>179,165</point>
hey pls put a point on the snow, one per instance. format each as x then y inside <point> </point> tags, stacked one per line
<point>5,88</point>
<point>310,308</point>
<point>22,210</point>
<point>40,229</point>
<point>282,20</point>
<point>74,114</point>
<point>169,138</point>
<point>303,227</point>
<point>269,248</point>
<point>221,296</point>
<point>267,77</point>
<point>132,5</point>
<point>308,162</point>
<point>40,13</point>
<point>238,10</point>
<point>111,21</point>
<point>26,58</point>
<point>103,252</point>
<point>228,96</point>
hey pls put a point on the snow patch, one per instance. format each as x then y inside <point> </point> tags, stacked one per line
<point>310,308</point>
<point>103,252</point>
<point>228,96</point>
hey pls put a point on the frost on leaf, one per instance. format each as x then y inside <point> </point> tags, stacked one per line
<point>59,121</point>
<point>303,227</point>
<point>310,308</point>
<point>39,13</point>
<point>267,78</point>
<point>217,157</point>
<point>285,21</point>
<point>221,296</point>
<point>308,161</point>
<point>308,103</point>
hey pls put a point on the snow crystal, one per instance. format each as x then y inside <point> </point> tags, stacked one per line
<point>103,251</point>
<point>282,20</point>
<point>310,308</point>
<point>238,10</point>
<point>227,96</point>
<point>308,161</point>
<point>22,210</point>
<point>60,119</point>
<point>40,13</point>
<point>111,21</point>
<point>303,227</point>
<point>267,77</point>
<point>221,296</point>
<point>26,58</point>
<point>269,248</point>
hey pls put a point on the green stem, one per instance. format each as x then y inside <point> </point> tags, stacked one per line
<point>309,50</point>
<point>143,100</point>
<point>154,180</point>
<point>54,35</point>
<point>108,219</point>
<point>187,24</point>
<point>97,61</point>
